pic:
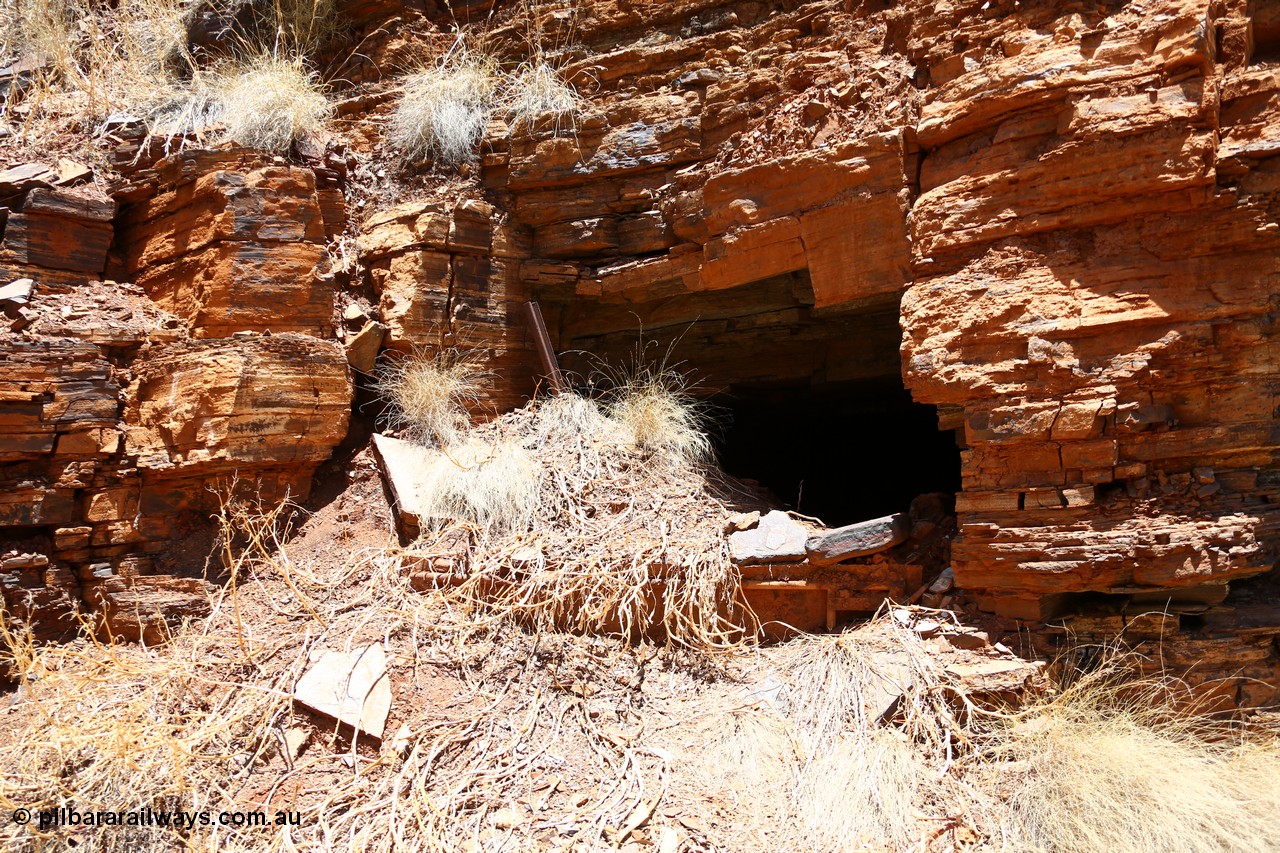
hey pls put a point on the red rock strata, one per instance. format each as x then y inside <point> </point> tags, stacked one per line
<point>1059,223</point>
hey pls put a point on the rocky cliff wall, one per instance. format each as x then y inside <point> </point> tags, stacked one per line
<point>124,424</point>
<point>1075,207</point>
<point>1055,222</point>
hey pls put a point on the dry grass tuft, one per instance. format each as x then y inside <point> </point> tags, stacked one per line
<point>1107,766</point>
<point>566,417</point>
<point>266,102</point>
<point>443,110</point>
<point>269,102</point>
<point>537,91</point>
<point>297,26</point>
<point>429,394</point>
<point>132,58</point>
<point>493,487</point>
<point>839,761</point>
<point>661,417</point>
<point>863,789</point>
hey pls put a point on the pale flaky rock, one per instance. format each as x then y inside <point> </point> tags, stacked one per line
<point>775,537</point>
<point>351,687</point>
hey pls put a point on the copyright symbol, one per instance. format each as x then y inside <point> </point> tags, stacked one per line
<point>22,816</point>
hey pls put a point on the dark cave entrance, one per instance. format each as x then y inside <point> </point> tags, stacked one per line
<point>810,404</point>
<point>843,452</point>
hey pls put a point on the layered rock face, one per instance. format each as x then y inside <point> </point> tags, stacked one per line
<point>229,244</point>
<point>1067,214</point>
<point>1095,250</point>
<point>1057,223</point>
<point>122,425</point>
<point>448,276</point>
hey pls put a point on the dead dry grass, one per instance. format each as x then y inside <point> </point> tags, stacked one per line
<point>621,537</point>
<point>494,487</point>
<point>1110,765</point>
<point>443,109</point>
<point>269,102</point>
<point>445,105</point>
<point>536,92</point>
<point>91,61</point>
<point>499,739</point>
<point>131,59</point>
<point>429,394</point>
<point>503,738</point>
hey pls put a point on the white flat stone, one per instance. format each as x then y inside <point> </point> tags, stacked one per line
<point>777,538</point>
<point>17,291</point>
<point>351,687</point>
<point>404,465</point>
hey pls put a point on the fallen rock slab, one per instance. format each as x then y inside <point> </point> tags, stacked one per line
<point>19,179</point>
<point>403,464</point>
<point>17,292</point>
<point>351,687</point>
<point>777,538</point>
<point>363,347</point>
<point>858,540</point>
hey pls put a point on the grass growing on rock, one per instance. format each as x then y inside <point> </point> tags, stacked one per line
<point>268,102</point>
<point>1109,765</point>
<point>443,109</point>
<point>536,91</point>
<point>132,58</point>
<point>429,394</point>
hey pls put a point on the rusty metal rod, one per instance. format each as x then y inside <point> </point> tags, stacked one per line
<point>542,341</point>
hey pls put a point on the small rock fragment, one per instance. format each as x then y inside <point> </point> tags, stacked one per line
<point>351,687</point>
<point>295,740</point>
<point>777,537</point>
<point>927,627</point>
<point>944,582</point>
<point>401,742</point>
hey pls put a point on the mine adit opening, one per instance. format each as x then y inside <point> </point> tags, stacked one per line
<point>809,404</point>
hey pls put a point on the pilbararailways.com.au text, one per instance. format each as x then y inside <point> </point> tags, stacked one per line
<point>69,816</point>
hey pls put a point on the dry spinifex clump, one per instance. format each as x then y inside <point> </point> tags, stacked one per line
<point>444,107</point>
<point>573,513</point>
<point>134,58</point>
